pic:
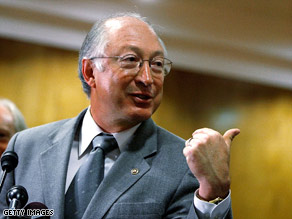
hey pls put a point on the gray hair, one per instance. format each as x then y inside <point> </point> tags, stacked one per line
<point>96,41</point>
<point>18,119</point>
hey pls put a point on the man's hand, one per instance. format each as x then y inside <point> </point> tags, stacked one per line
<point>208,154</point>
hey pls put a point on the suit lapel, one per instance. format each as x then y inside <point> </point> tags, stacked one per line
<point>54,163</point>
<point>127,170</point>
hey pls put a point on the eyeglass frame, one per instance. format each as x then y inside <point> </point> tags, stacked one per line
<point>165,72</point>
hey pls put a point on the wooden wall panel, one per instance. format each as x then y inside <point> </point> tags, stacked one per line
<point>44,84</point>
<point>261,156</point>
<point>42,81</point>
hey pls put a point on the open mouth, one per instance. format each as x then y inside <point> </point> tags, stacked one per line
<point>143,97</point>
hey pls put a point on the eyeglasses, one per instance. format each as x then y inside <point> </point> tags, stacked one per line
<point>132,63</point>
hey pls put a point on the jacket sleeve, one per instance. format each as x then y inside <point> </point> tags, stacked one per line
<point>182,203</point>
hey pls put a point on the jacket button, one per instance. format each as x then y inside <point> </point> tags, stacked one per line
<point>134,171</point>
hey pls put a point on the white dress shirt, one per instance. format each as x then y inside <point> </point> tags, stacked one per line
<point>89,130</point>
<point>79,153</point>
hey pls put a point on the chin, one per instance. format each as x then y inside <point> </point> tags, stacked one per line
<point>140,113</point>
<point>141,116</point>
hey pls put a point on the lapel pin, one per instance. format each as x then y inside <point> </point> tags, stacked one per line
<point>134,171</point>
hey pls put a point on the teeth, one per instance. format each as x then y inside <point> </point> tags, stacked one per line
<point>142,96</point>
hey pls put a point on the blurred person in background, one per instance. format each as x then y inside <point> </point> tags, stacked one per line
<point>11,121</point>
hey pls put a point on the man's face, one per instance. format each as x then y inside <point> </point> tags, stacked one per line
<point>120,98</point>
<point>6,128</point>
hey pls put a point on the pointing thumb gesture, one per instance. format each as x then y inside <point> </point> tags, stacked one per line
<point>207,153</point>
<point>229,135</point>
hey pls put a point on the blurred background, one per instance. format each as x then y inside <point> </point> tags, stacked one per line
<point>232,68</point>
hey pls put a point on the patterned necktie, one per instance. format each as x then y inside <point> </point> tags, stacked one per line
<point>88,177</point>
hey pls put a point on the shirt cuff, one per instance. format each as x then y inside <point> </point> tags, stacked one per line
<point>205,209</point>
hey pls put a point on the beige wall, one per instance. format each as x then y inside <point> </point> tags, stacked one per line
<point>261,157</point>
<point>44,84</point>
<point>42,81</point>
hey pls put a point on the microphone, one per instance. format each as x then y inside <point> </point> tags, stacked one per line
<point>9,161</point>
<point>16,197</point>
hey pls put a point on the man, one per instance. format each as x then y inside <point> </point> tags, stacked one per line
<point>11,121</point>
<point>122,65</point>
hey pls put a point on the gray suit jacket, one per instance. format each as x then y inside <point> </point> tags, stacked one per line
<point>163,188</point>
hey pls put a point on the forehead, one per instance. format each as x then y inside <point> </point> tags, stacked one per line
<point>6,119</point>
<point>5,115</point>
<point>6,122</point>
<point>131,34</point>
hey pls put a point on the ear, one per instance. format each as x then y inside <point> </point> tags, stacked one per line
<point>87,71</point>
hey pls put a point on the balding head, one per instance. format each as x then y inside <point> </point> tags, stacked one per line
<point>98,37</point>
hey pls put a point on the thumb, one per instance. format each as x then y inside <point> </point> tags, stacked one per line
<point>229,135</point>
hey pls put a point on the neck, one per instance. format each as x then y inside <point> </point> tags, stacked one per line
<point>112,126</point>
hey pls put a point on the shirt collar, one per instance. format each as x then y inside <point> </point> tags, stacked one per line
<point>90,129</point>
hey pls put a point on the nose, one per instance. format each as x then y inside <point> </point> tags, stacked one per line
<point>144,74</point>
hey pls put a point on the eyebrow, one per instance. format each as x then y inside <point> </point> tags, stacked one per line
<point>140,52</point>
